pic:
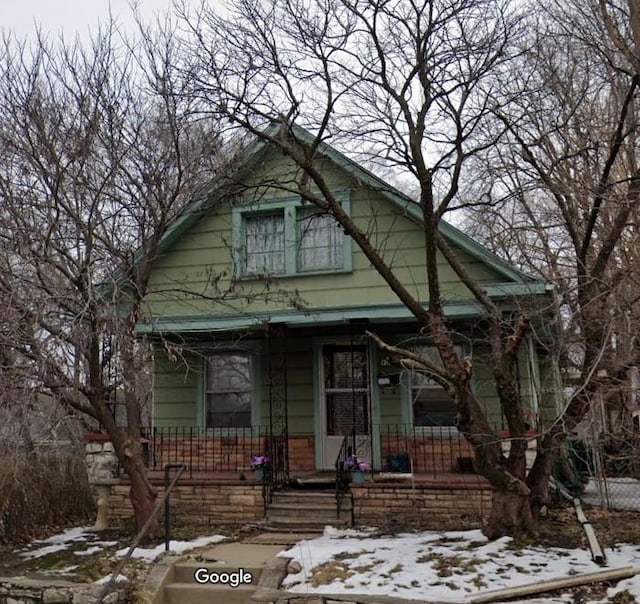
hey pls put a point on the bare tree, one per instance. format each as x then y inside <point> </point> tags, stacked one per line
<point>414,86</point>
<point>571,170</point>
<point>99,152</point>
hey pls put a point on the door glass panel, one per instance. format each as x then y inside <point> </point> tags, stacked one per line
<point>346,388</point>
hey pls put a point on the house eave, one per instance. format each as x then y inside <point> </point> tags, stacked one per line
<point>381,313</point>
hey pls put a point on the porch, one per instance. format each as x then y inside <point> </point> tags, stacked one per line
<point>439,455</point>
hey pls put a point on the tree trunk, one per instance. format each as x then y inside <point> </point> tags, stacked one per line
<point>510,515</point>
<point>143,498</point>
<point>142,494</point>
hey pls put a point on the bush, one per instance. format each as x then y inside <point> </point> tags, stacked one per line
<point>42,491</point>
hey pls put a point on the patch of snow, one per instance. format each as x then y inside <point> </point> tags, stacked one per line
<point>67,570</point>
<point>106,579</point>
<point>94,549</point>
<point>78,533</point>
<point>176,547</point>
<point>43,551</point>
<point>437,567</point>
<point>58,542</point>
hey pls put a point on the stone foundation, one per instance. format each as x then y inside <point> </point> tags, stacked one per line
<point>199,502</point>
<point>426,506</point>
<point>30,591</point>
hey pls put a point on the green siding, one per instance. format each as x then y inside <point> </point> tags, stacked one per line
<point>203,256</point>
<point>176,389</point>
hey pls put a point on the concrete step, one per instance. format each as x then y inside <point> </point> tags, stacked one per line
<point>307,509</point>
<point>288,523</point>
<point>317,497</point>
<point>184,572</point>
<point>192,593</point>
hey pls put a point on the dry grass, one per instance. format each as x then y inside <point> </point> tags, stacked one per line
<point>41,492</point>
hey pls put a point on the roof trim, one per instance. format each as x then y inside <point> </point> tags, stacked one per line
<point>336,315</point>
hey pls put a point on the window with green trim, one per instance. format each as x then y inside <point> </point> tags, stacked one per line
<point>286,238</point>
<point>228,390</point>
<point>431,404</point>
<point>320,240</point>
<point>264,243</point>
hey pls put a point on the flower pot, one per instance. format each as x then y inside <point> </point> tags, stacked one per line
<point>259,473</point>
<point>357,477</point>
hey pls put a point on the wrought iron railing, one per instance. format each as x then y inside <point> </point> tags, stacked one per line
<point>277,474</point>
<point>402,448</point>
<point>342,473</point>
<point>434,450</point>
<point>212,450</point>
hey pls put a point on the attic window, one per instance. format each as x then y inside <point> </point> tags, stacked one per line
<point>286,238</point>
<point>264,244</point>
<point>320,240</point>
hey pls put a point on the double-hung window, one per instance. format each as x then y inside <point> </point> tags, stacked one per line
<point>285,237</point>
<point>320,240</point>
<point>264,243</point>
<point>228,390</point>
<point>431,404</point>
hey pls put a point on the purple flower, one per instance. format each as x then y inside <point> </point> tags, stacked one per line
<point>259,461</point>
<point>352,463</point>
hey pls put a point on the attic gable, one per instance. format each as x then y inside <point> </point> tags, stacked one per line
<point>261,150</point>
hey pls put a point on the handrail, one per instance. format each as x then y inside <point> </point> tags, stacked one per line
<point>167,508</point>
<point>342,477</point>
<point>141,534</point>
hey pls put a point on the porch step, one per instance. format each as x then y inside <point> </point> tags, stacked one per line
<point>185,590</point>
<point>306,510</point>
<point>305,497</point>
<point>304,525</point>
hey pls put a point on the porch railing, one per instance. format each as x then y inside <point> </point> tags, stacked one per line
<point>277,475</point>
<point>210,450</point>
<point>342,473</point>
<point>401,447</point>
<point>431,450</point>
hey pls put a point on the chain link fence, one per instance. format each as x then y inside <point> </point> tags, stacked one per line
<point>603,471</point>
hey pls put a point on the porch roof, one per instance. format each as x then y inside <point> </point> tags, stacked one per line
<point>329,316</point>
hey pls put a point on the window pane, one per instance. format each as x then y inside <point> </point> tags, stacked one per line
<point>229,372</point>
<point>320,241</point>
<point>264,243</point>
<point>346,410</point>
<point>432,405</point>
<point>228,390</point>
<point>345,367</point>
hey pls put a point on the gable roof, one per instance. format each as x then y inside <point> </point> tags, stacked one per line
<point>201,203</point>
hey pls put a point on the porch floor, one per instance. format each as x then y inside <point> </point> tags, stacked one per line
<point>326,478</point>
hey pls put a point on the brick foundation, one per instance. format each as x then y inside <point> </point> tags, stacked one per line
<point>302,455</point>
<point>428,506</point>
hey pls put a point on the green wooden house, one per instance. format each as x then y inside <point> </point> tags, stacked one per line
<point>258,310</point>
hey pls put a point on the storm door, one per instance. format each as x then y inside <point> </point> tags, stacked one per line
<point>345,400</point>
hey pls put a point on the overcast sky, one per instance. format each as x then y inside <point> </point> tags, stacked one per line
<point>70,16</point>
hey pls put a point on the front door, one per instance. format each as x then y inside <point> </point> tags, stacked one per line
<point>345,400</point>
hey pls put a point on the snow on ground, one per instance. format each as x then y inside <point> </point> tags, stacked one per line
<point>59,542</point>
<point>80,540</point>
<point>616,493</point>
<point>176,547</point>
<point>106,579</point>
<point>438,567</point>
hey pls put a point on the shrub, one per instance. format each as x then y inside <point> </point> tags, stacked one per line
<point>41,491</point>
